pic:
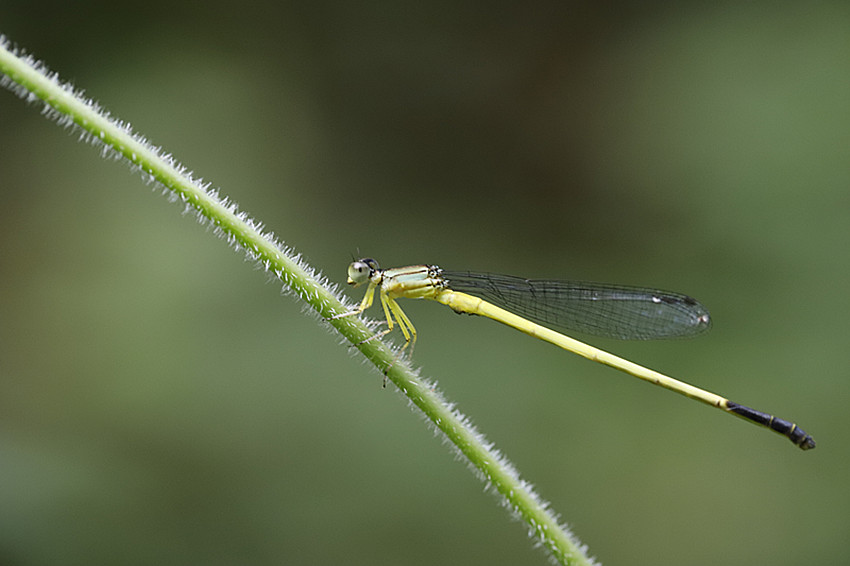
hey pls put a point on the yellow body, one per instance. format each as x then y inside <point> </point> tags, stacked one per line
<point>415,282</point>
<point>461,302</point>
<point>424,282</point>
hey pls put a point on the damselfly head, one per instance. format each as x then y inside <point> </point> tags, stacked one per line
<point>361,271</point>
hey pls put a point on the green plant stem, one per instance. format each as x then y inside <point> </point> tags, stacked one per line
<point>31,81</point>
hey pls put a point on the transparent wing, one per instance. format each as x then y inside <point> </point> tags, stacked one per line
<point>613,311</point>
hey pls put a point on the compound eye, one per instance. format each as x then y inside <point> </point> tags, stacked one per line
<point>360,271</point>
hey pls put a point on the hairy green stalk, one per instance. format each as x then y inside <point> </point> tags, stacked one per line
<point>31,81</point>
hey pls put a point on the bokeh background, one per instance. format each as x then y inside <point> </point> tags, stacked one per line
<point>162,403</point>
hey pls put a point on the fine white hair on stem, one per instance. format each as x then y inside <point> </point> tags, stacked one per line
<point>114,139</point>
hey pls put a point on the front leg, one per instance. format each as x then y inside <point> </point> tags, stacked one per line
<point>364,304</point>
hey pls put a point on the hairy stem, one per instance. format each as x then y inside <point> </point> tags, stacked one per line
<point>30,80</point>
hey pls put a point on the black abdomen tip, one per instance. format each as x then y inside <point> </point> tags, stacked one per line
<point>786,428</point>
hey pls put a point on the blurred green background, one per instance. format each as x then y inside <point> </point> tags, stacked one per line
<point>160,402</point>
